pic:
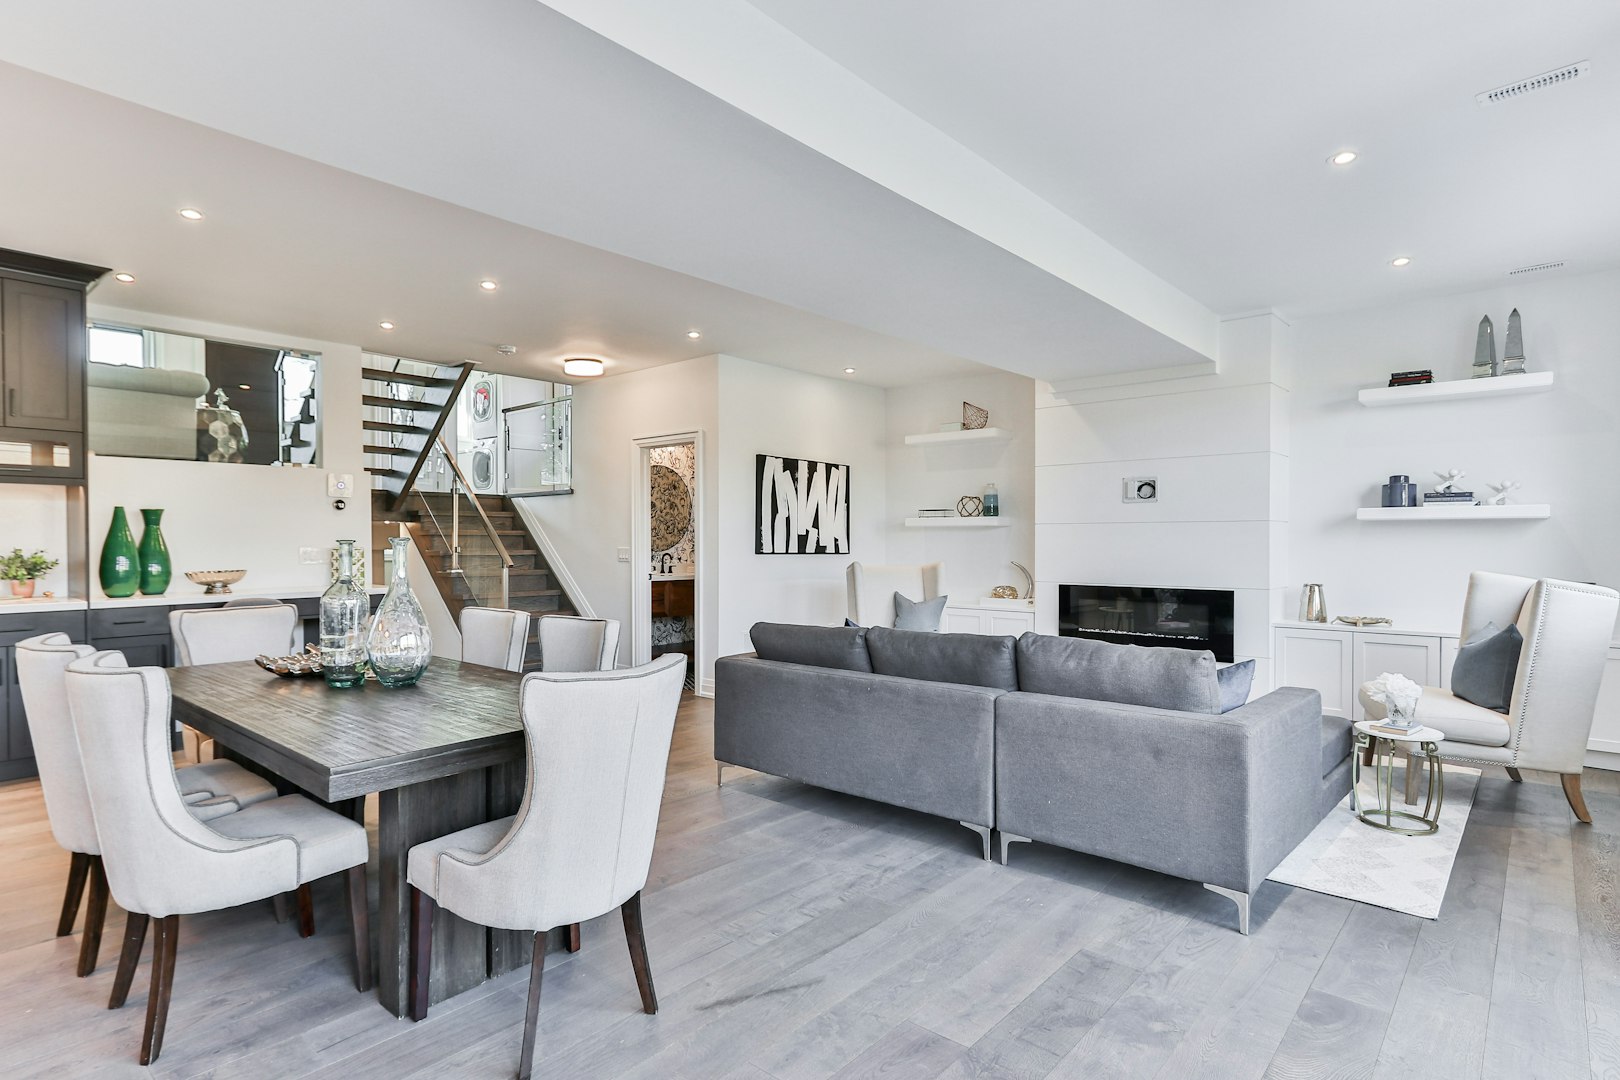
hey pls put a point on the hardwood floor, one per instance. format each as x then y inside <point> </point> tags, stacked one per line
<point>795,933</point>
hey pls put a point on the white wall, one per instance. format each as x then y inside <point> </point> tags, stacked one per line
<point>976,560</point>
<point>1562,446</point>
<point>768,410</point>
<point>253,517</point>
<point>34,517</point>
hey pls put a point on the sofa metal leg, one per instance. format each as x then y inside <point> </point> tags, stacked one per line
<point>1009,838</point>
<point>1241,899</point>
<point>1514,775</point>
<point>1577,802</point>
<point>720,768</point>
<point>984,836</point>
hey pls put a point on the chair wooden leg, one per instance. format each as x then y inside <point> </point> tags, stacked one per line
<point>531,1017</point>
<point>128,959</point>
<point>572,943</point>
<point>78,875</point>
<point>637,938</point>
<point>306,911</point>
<point>280,907</point>
<point>1572,792</point>
<point>360,927</point>
<point>95,917</point>
<point>1514,775</point>
<point>164,944</point>
<point>421,963</point>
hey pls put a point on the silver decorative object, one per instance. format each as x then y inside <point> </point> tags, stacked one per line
<point>1485,350</point>
<point>1502,491</point>
<point>1364,620</point>
<point>1513,359</point>
<point>1029,582</point>
<point>1313,605</point>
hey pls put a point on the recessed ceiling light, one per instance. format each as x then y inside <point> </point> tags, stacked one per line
<point>244,386</point>
<point>693,334</point>
<point>125,278</point>
<point>386,325</point>
<point>191,214</point>
<point>583,367</point>
<point>1401,261</point>
<point>849,371</point>
<point>1343,157</point>
<point>489,285</point>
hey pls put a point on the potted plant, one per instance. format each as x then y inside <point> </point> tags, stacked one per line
<point>21,570</point>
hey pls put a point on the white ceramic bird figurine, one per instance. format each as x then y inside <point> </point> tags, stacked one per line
<point>1502,490</point>
<point>1449,480</point>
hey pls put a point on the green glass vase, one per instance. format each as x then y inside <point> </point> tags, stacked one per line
<point>156,569</point>
<point>120,566</point>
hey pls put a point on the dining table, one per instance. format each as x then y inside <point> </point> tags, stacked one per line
<point>442,755</point>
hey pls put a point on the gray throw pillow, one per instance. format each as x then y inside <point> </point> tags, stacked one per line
<point>1235,682</point>
<point>918,614</point>
<point>1486,666</point>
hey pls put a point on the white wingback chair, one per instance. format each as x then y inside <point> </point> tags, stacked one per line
<point>872,589</point>
<point>1567,627</point>
<point>161,862</point>
<point>581,843</point>
<point>494,637</point>
<point>244,628</point>
<point>574,643</point>
<point>209,791</point>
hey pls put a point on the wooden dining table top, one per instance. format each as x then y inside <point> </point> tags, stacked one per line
<point>339,744</point>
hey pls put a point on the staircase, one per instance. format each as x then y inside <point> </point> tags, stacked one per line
<point>403,421</point>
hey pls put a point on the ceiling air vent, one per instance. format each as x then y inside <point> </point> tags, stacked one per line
<point>1568,73</point>
<point>1537,268</point>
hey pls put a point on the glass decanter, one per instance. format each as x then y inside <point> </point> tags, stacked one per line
<point>343,624</point>
<point>400,644</point>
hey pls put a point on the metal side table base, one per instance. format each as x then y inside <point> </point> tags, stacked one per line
<point>1383,814</point>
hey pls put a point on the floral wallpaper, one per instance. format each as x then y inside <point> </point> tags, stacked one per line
<point>672,516</point>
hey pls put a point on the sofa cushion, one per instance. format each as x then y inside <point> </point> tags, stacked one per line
<point>1461,721</point>
<point>1236,680</point>
<point>816,646</point>
<point>1177,679</point>
<point>1338,741</point>
<point>1486,665</point>
<point>968,659</point>
<point>912,614</point>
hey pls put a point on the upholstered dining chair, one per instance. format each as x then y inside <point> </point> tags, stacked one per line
<point>871,589</point>
<point>1567,627</point>
<point>244,628</point>
<point>494,637</point>
<point>211,791</point>
<point>161,862</point>
<point>581,845</point>
<point>575,643</point>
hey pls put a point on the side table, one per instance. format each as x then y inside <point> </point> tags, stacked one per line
<point>1420,741</point>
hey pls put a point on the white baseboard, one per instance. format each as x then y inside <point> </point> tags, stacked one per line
<point>706,688</point>
<point>1602,759</point>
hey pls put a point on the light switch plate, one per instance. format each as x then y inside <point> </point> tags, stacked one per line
<point>339,485</point>
<point>1139,489</point>
<point>624,554</point>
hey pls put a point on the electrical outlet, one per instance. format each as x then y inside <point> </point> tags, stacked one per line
<point>311,556</point>
<point>1139,489</point>
<point>624,554</point>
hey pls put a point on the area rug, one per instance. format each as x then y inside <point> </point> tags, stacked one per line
<point>1343,857</point>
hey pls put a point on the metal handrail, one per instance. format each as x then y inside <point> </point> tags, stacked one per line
<point>483,520</point>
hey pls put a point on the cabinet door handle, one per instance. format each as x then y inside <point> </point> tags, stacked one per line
<point>11,402</point>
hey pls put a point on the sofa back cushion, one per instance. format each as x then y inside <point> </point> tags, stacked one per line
<point>816,646</point>
<point>1177,679</point>
<point>967,659</point>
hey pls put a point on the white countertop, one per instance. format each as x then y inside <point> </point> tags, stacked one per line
<point>194,594</point>
<point>1383,628</point>
<point>13,606</point>
<point>673,577</point>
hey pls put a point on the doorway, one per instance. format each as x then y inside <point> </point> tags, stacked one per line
<point>667,551</point>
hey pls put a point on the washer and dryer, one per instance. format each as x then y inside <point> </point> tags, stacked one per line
<point>481,454</point>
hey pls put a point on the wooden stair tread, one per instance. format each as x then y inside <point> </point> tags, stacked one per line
<point>376,470</point>
<point>384,425</point>
<point>372,448</point>
<point>405,377</point>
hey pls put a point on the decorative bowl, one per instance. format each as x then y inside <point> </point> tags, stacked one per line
<point>298,666</point>
<point>218,581</point>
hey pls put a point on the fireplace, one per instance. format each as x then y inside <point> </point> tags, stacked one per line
<point>1149,615</point>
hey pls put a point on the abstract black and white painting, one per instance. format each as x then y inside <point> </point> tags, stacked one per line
<point>802,507</point>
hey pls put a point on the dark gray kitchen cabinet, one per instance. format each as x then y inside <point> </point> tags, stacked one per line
<point>16,742</point>
<point>42,357</point>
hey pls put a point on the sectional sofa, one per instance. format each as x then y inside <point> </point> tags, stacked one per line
<point>1114,750</point>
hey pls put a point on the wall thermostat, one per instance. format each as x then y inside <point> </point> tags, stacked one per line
<point>339,485</point>
<point>1140,489</point>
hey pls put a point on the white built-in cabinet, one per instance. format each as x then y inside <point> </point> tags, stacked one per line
<point>1334,659</point>
<point>977,619</point>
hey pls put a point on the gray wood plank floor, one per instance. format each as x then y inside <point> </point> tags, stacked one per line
<point>798,934</point>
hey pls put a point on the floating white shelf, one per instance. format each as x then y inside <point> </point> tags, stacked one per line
<point>958,523</point>
<point>1510,512</point>
<point>978,435</point>
<point>1531,382</point>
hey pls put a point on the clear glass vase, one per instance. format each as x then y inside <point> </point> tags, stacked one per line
<point>343,624</point>
<point>400,644</point>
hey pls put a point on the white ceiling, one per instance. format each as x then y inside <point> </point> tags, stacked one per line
<point>1193,136</point>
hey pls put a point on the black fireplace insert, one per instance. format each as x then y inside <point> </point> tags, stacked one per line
<point>1148,615</point>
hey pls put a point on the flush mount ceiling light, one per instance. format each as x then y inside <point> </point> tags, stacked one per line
<point>385,325</point>
<point>582,367</point>
<point>693,334</point>
<point>1400,260</point>
<point>506,350</point>
<point>190,213</point>
<point>849,371</point>
<point>1343,157</point>
<point>124,277</point>
<point>489,285</point>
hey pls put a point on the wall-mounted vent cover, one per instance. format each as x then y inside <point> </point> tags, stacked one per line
<point>1568,73</point>
<point>1536,268</point>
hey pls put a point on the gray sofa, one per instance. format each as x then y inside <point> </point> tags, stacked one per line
<point>1114,750</point>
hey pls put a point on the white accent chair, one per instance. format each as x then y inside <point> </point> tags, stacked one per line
<point>244,628</point>
<point>1567,626</point>
<point>582,841</point>
<point>494,637</point>
<point>872,589</point>
<point>575,643</point>
<point>210,791</point>
<point>161,862</point>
